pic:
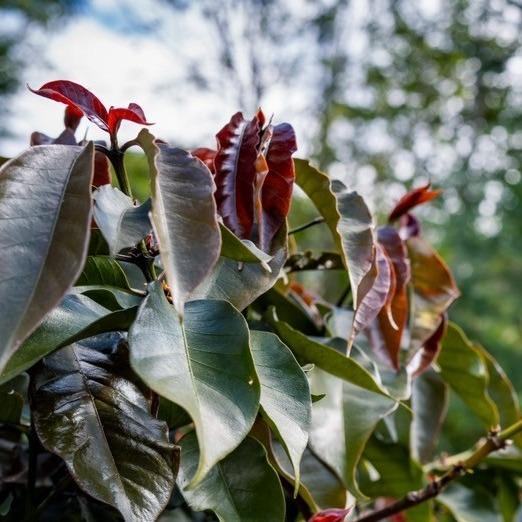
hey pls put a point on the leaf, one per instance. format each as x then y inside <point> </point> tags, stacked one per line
<point>464,369</point>
<point>285,394</point>
<point>242,249</point>
<point>122,224</point>
<point>343,422</point>
<point>109,296</point>
<point>326,358</point>
<point>12,395</point>
<point>183,215</point>
<point>434,291</point>
<point>88,412</point>
<point>207,156</point>
<point>241,285</point>
<point>45,210</point>
<point>77,96</point>
<point>429,402</point>
<point>468,505</point>
<point>236,173</point>
<point>348,219</point>
<point>276,192</point>
<point>203,364</point>
<point>243,486</point>
<point>331,515</point>
<point>103,270</point>
<point>376,297</point>
<point>412,199</point>
<point>385,336</point>
<point>76,318</point>
<point>132,113</point>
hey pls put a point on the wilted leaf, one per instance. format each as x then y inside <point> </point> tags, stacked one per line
<point>464,369</point>
<point>285,394</point>
<point>184,216</point>
<point>122,224</point>
<point>88,412</point>
<point>348,219</point>
<point>202,363</point>
<point>45,209</point>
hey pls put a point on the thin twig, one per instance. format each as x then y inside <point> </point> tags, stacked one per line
<point>495,441</point>
<point>300,228</point>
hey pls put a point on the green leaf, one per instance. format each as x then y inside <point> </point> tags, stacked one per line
<point>285,394</point>
<point>12,395</point>
<point>343,422</point>
<point>204,364</point>
<point>467,505</point>
<point>242,249</point>
<point>109,296</point>
<point>465,370</point>
<point>88,412</point>
<point>45,211</point>
<point>326,358</point>
<point>242,284</point>
<point>348,219</point>
<point>103,270</point>
<point>77,317</point>
<point>184,216</point>
<point>242,487</point>
<point>122,223</point>
<point>429,402</point>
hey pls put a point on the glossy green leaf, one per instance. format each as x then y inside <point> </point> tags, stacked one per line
<point>242,249</point>
<point>89,413</point>
<point>241,284</point>
<point>77,317</point>
<point>109,296</point>
<point>429,402</point>
<point>242,487</point>
<point>343,422</point>
<point>285,394</point>
<point>122,223</point>
<point>465,370</point>
<point>348,219</point>
<point>326,358</point>
<point>467,505</point>
<point>102,270</point>
<point>45,211</point>
<point>183,215</point>
<point>202,363</point>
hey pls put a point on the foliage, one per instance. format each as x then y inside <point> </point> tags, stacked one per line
<point>162,361</point>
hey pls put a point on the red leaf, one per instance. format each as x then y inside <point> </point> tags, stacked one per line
<point>434,289</point>
<point>428,354</point>
<point>409,226</point>
<point>386,332</point>
<point>236,173</point>
<point>77,96</point>
<point>102,173</point>
<point>412,199</point>
<point>330,515</point>
<point>278,184</point>
<point>207,156</point>
<point>377,296</point>
<point>72,117</point>
<point>133,113</point>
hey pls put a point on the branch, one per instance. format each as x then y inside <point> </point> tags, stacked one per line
<point>495,441</point>
<point>300,228</point>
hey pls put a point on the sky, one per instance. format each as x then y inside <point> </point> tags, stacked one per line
<point>104,50</point>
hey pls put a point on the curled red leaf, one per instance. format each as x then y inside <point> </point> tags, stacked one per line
<point>412,199</point>
<point>207,156</point>
<point>133,113</point>
<point>236,173</point>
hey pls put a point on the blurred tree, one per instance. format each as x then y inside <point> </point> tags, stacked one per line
<point>17,16</point>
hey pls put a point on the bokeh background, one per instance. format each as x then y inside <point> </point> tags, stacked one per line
<point>384,94</point>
